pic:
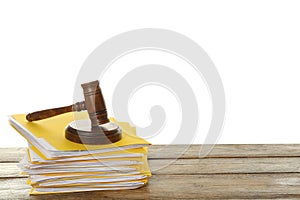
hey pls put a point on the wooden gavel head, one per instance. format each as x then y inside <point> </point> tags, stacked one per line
<point>100,130</point>
<point>94,103</point>
<point>97,129</point>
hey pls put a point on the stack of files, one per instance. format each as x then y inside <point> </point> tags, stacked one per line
<point>57,165</point>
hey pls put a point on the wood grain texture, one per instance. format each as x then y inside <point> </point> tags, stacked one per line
<point>201,166</point>
<point>226,151</point>
<point>237,186</point>
<point>192,151</point>
<point>230,171</point>
<point>11,154</point>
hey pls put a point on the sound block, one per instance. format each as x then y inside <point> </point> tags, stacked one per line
<point>81,131</point>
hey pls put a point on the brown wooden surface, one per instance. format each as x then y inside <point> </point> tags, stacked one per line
<point>229,171</point>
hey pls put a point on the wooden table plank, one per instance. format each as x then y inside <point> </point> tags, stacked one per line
<point>230,171</point>
<point>238,186</point>
<point>200,166</point>
<point>11,154</point>
<point>226,166</point>
<point>10,170</point>
<point>226,151</point>
<point>192,151</point>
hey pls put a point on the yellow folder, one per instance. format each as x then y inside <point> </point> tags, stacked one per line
<point>50,134</point>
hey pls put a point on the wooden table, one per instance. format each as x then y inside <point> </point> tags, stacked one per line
<point>229,171</point>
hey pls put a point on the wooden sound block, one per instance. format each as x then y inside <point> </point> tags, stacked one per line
<point>81,131</point>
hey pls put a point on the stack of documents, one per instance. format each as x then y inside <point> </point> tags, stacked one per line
<point>57,165</point>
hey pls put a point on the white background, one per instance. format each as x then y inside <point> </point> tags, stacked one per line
<point>255,46</point>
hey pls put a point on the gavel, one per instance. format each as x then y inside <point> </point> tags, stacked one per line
<point>97,130</point>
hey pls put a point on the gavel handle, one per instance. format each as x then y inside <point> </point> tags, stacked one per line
<point>44,114</point>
